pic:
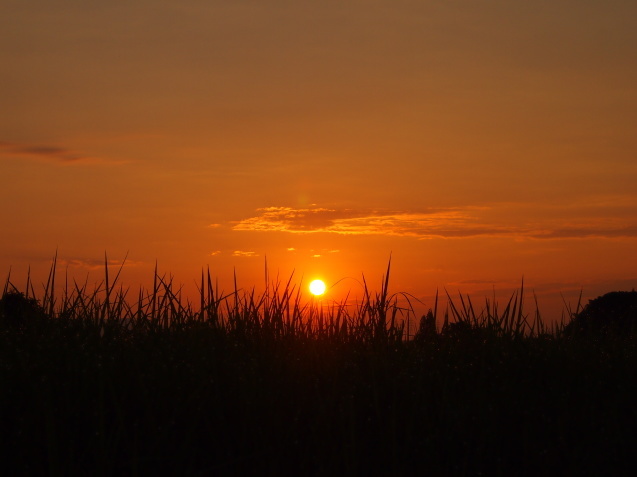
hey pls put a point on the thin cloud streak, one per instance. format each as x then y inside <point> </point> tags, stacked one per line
<point>578,232</point>
<point>60,155</point>
<point>242,253</point>
<point>96,264</point>
<point>447,223</point>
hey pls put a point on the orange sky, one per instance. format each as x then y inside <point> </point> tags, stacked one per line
<point>477,142</point>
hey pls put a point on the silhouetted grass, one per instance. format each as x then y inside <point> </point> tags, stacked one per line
<point>100,382</point>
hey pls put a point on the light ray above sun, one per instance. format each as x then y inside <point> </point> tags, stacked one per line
<point>317,287</point>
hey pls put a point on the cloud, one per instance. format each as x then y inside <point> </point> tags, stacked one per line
<point>451,222</point>
<point>430,223</point>
<point>50,153</point>
<point>96,264</point>
<point>241,253</point>
<point>592,231</point>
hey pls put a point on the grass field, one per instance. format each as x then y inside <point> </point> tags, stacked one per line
<point>102,383</point>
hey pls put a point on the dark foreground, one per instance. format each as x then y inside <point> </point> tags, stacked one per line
<point>81,397</point>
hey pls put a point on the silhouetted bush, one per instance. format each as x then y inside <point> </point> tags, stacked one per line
<point>18,311</point>
<point>612,313</point>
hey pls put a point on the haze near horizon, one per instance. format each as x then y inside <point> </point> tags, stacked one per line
<point>477,143</point>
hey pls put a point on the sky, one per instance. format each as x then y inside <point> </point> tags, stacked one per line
<point>476,143</point>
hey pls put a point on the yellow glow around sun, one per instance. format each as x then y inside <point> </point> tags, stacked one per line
<point>317,287</point>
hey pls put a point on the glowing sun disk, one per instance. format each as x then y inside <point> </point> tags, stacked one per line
<point>317,287</point>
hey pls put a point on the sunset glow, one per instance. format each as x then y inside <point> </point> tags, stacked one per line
<point>475,143</point>
<point>389,237</point>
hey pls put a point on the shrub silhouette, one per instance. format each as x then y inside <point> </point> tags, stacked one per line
<point>614,312</point>
<point>18,311</point>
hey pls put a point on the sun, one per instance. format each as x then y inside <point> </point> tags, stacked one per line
<point>317,287</point>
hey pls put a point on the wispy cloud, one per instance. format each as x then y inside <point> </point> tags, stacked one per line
<point>241,253</point>
<point>95,264</point>
<point>590,231</point>
<point>57,154</point>
<point>453,222</point>
<point>320,253</point>
<point>429,223</point>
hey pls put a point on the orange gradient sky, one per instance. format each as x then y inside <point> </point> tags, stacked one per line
<point>477,142</point>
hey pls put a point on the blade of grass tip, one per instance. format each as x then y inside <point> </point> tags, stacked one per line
<point>410,310</point>
<point>496,318</point>
<point>385,289</point>
<point>393,314</point>
<point>47,286</point>
<point>45,299</point>
<point>365,289</point>
<point>106,309</point>
<point>28,279</point>
<point>454,311</point>
<point>506,313</point>
<point>6,283</point>
<point>32,289</point>
<point>168,301</point>
<point>470,313</point>
<point>121,267</point>
<point>487,309</point>
<point>236,293</point>
<point>208,301</point>
<point>153,307</point>
<point>140,303</point>
<point>566,308</point>
<point>210,288</point>
<point>539,324</point>
<point>267,284</point>
<point>436,306</point>
<point>382,300</point>
<point>579,302</point>
<point>465,313</point>
<point>211,295</point>
<point>520,315</point>
<point>217,296</point>
<point>202,300</point>
<point>298,309</point>
<point>289,282</point>
<point>80,293</point>
<point>49,293</point>
<point>365,307</point>
<point>52,304</point>
<point>513,315</point>
<point>65,298</point>
<point>408,330</point>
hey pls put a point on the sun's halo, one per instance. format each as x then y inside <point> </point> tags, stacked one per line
<point>317,287</point>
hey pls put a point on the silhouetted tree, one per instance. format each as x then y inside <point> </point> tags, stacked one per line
<point>614,312</point>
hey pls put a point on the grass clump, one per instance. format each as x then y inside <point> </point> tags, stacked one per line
<point>237,384</point>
